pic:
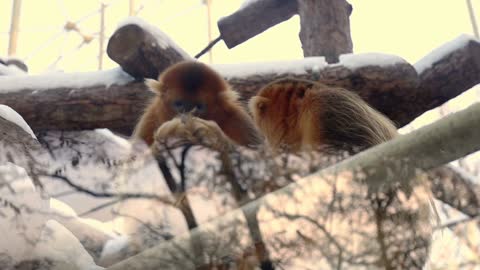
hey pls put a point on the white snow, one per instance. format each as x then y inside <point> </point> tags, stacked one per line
<point>19,230</point>
<point>11,70</point>
<point>430,59</point>
<point>10,115</point>
<point>60,245</point>
<point>115,245</point>
<point>65,80</point>
<point>355,61</point>
<point>247,3</point>
<point>163,39</point>
<point>296,67</point>
<point>124,144</point>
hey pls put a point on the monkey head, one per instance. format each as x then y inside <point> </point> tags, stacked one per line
<point>190,87</point>
<point>279,111</point>
<point>299,114</point>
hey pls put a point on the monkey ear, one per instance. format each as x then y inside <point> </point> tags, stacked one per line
<point>258,103</point>
<point>154,85</point>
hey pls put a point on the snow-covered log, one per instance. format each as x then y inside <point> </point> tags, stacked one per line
<point>75,101</point>
<point>446,72</point>
<point>143,50</point>
<point>381,167</point>
<point>110,99</point>
<point>14,66</point>
<point>254,17</point>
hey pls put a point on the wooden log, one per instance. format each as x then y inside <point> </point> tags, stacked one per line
<point>325,28</point>
<point>18,63</point>
<point>118,107</point>
<point>383,87</point>
<point>392,88</point>
<point>445,73</point>
<point>253,19</point>
<point>142,50</point>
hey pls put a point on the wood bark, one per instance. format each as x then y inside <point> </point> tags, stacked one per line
<point>116,107</point>
<point>119,107</point>
<point>254,19</point>
<point>446,140</point>
<point>141,53</point>
<point>325,28</point>
<point>447,78</point>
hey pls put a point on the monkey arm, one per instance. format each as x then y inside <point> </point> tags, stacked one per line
<point>240,128</point>
<point>194,130</point>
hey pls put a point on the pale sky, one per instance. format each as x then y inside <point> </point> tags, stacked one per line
<point>407,28</point>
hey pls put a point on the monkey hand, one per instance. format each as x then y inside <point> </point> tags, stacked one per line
<point>190,129</point>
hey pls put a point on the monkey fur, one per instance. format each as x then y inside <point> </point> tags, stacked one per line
<point>296,114</point>
<point>192,87</point>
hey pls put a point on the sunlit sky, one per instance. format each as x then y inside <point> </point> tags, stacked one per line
<point>407,28</point>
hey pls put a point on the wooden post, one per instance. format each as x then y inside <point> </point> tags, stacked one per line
<point>471,12</point>
<point>325,28</point>
<point>131,8</point>
<point>101,36</point>
<point>253,19</point>
<point>208,3</point>
<point>14,25</point>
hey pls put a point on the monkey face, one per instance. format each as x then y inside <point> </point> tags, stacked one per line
<point>189,87</point>
<point>278,110</point>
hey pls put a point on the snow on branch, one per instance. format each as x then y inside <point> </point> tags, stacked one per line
<point>444,74</point>
<point>382,167</point>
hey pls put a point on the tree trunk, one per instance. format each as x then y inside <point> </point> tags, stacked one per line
<point>325,28</point>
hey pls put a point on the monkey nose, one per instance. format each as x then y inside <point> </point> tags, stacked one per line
<point>185,107</point>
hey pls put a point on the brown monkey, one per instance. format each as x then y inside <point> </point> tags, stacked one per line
<point>193,87</point>
<point>300,114</point>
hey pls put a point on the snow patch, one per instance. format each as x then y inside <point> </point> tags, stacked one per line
<point>296,67</point>
<point>22,213</point>
<point>247,3</point>
<point>433,57</point>
<point>356,61</point>
<point>115,245</point>
<point>162,39</point>
<point>11,70</point>
<point>63,248</point>
<point>65,80</point>
<point>10,115</point>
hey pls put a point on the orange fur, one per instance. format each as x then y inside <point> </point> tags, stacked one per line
<point>201,89</point>
<point>300,114</point>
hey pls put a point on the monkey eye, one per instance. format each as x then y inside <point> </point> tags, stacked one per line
<point>178,105</point>
<point>200,107</point>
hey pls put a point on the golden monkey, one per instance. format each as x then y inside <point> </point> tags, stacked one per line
<point>193,87</point>
<point>300,114</point>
